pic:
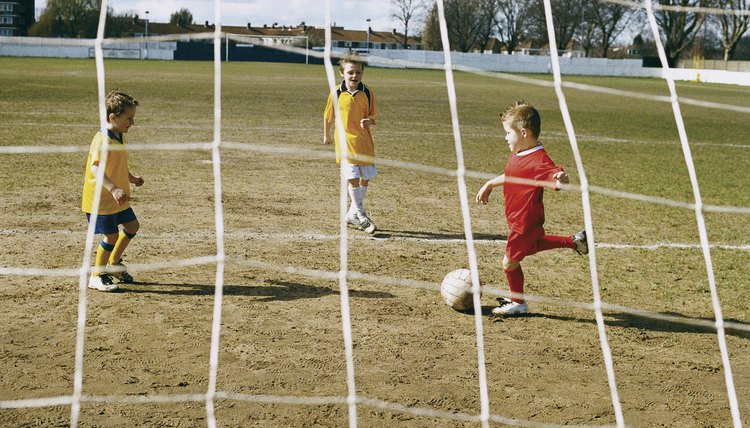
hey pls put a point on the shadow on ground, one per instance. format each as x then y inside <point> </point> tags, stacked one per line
<point>270,290</point>
<point>435,236</point>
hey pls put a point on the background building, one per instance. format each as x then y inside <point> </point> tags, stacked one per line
<point>275,34</point>
<point>16,17</point>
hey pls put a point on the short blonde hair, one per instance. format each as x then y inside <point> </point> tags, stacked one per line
<point>118,101</point>
<point>522,114</point>
<point>351,57</point>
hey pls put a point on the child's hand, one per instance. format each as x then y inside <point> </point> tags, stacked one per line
<point>365,123</point>
<point>120,196</point>
<point>327,139</point>
<point>137,180</point>
<point>562,177</point>
<point>484,194</point>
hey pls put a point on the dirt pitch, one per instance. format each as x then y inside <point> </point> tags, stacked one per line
<point>281,332</point>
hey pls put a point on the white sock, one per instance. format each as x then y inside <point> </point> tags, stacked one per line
<point>357,200</point>
<point>363,190</point>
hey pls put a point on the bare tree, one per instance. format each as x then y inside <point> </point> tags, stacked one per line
<point>567,16</point>
<point>470,23</point>
<point>488,11</point>
<point>511,22</point>
<point>610,20</point>
<point>588,31</point>
<point>733,26</point>
<point>679,27</point>
<point>463,18</point>
<point>407,11</point>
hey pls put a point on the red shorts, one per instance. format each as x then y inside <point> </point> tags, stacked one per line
<point>521,245</point>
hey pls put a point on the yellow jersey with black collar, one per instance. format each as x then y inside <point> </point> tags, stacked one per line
<point>355,106</point>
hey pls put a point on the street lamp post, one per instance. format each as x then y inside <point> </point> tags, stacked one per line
<point>146,56</point>
<point>368,36</point>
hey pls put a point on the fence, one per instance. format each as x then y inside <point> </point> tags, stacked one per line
<point>76,48</point>
<point>84,48</point>
<point>715,64</point>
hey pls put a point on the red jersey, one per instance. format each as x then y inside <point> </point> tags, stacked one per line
<point>524,207</point>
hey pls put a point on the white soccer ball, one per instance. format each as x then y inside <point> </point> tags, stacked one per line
<point>456,290</point>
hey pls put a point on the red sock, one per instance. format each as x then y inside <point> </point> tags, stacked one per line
<point>549,242</point>
<point>515,282</point>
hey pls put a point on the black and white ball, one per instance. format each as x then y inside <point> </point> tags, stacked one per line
<point>456,290</point>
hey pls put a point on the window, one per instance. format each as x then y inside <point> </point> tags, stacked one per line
<point>6,7</point>
<point>6,32</point>
<point>6,19</point>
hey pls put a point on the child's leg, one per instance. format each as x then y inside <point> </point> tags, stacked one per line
<point>103,253</point>
<point>514,274</point>
<point>550,242</point>
<point>126,235</point>
<point>363,189</point>
<point>357,206</point>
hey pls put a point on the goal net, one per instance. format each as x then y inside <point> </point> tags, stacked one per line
<point>484,403</point>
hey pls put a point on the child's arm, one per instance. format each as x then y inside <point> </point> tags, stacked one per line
<point>483,196</point>
<point>560,179</point>
<point>366,122</point>
<point>120,196</point>
<point>327,131</point>
<point>135,179</point>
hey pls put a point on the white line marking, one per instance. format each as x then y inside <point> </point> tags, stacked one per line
<point>423,237</point>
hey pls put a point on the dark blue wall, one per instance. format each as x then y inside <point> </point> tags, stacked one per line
<point>200,51</point>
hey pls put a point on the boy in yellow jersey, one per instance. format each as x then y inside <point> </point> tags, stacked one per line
<point>358,114</point>
<point>114,203</point>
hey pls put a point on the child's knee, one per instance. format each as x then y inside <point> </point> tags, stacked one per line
<point>509,264</point>
<point>132,227</point>
<point>110,238</point>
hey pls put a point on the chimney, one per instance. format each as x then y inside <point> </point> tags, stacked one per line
<point>394,31</point>
<point>206,24</point>
<point>249,26</point>
<point>274,25</point>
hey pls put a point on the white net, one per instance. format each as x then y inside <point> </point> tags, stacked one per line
<point>354,399</point>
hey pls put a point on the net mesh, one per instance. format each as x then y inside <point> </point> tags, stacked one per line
<point>343,275</point>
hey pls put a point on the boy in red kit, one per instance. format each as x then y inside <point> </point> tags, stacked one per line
<point>524,208</point>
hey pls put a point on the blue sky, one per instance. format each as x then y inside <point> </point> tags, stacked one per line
<point>352,14</point>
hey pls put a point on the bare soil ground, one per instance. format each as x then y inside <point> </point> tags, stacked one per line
<point>281,331</point>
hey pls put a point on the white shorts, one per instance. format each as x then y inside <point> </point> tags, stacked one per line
<point>367,172</point>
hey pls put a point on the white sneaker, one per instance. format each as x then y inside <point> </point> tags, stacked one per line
<point>102,282</point>
<point>508,307</point>
<point>119,271</point>
<point>353,220</point>
<point>582,245</point>
<point>367,225</point>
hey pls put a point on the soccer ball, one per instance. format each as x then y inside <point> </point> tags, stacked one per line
<point>456,290</point>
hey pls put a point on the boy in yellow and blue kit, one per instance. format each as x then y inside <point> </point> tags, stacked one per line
<point>114,202</point>
<point>358,114</point>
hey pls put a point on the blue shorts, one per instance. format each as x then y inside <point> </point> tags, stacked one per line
<point>108,223</point>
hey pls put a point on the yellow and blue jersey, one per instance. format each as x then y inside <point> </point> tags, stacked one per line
<point>116,169</point>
